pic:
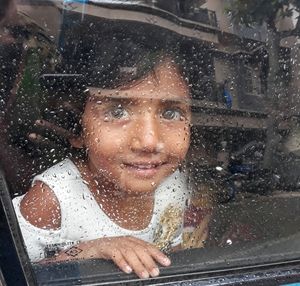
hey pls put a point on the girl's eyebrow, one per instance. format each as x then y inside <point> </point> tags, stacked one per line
<point>129,96</point>
<point>173,101</point>
<point>112,99</point>
<point>134,100</point>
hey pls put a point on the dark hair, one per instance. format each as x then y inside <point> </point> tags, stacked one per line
<point>119,73</point>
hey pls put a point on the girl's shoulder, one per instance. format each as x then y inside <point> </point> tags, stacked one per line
<point>59,175</point>
<point>65,169</point>
<point>50,194</point>
<point>40,207</point>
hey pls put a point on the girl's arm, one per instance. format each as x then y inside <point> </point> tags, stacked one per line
<point>40,207</point>
<point>130,254</point>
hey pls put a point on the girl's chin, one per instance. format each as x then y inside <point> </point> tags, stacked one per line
<point>138,189</point>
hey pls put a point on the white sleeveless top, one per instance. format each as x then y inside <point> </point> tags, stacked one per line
<point>82,218</point>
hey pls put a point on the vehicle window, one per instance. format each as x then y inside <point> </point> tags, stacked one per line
<point>149,139</point>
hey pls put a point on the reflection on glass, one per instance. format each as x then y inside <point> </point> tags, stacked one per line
<point>132,124</point>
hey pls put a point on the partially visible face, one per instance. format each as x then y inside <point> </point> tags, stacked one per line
<point>138,135</point>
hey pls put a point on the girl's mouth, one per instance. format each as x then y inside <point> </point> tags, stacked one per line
<point>144,170</point>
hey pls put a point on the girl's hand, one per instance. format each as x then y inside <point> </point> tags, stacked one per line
<point>47,133</point>
<point>128,253</point>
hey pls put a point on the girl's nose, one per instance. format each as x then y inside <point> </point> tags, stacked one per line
<point>146,135</point>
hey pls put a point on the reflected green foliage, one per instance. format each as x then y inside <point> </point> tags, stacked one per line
<point>25,105</point>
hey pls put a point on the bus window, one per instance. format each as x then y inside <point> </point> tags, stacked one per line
<point>149,140</point>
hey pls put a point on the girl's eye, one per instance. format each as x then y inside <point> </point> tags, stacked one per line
<point>172,114</point>
<point>118,112</point>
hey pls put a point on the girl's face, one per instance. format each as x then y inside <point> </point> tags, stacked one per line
<point>137,136</point>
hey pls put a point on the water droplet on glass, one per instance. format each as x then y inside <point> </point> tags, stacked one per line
<point>229,241</point>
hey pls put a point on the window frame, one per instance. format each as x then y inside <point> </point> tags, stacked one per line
<point>234,274</point>
<point>20,257</point>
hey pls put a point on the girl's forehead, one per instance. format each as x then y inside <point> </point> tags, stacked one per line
<point>164,83</point>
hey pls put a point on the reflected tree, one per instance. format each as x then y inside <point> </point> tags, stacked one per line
<point>270,13</point>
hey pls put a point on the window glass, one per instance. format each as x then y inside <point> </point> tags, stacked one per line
<point>151,135</point>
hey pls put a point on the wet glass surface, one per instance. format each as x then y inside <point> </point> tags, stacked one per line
<point>125,123</point>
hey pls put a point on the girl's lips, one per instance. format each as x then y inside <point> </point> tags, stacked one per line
<point>144,170</point>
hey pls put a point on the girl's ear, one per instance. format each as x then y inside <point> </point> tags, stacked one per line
<point>77,142</point>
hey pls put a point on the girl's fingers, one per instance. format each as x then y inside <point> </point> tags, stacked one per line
<point>132,254</point>
<point>159,256</point>
<point>135,263</point>
<point>147,260</point>
<point>53,127</point>
<point>118,259</point>
<point>153,251</point>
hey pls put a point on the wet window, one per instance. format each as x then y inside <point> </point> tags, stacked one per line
<point>150,135</point>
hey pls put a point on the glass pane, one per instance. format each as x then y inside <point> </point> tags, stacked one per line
<point>134,131</point>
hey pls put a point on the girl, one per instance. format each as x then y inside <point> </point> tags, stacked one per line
<point>123,199</point>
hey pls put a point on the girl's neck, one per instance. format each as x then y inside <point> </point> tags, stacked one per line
<point>128,210</point>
